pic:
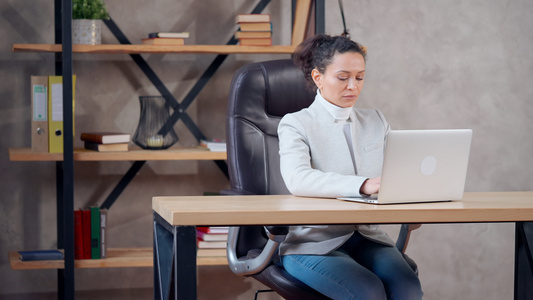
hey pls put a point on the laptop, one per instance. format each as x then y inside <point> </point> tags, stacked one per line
<point>423,166</point>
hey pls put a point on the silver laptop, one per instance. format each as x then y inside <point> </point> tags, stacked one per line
<point>423,166</point>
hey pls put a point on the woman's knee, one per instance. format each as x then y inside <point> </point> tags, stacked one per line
<point>406,288</point>
<point>373,291</point>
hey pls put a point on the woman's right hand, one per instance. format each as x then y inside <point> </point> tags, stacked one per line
<point>371,186</point>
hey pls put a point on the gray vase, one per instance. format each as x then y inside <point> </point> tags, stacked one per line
<point>88,32</point>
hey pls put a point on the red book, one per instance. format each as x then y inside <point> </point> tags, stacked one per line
<point>214,229</point>
<point>86,228</point>
<point>78,235</point>
<point>211,236</point>
<point>105,137</point>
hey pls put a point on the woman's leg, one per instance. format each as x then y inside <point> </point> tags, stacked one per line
<point>335,275</point>
<point>400,281</point>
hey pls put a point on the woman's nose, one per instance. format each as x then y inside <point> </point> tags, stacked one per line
<point>351,83</point>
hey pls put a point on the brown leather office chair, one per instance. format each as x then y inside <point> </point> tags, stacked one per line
<point>260,94</point>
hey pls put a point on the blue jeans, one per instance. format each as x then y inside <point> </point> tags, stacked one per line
<point>360,269</point>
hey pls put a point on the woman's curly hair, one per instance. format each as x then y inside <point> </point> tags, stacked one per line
<point>317,53</point>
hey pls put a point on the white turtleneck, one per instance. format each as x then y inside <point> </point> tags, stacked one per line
<point>341,116</point>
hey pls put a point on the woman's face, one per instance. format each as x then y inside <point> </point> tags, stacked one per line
<point>342,80</point>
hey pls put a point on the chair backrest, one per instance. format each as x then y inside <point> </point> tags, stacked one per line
<point>260,95</point>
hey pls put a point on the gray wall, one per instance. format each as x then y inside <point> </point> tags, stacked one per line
<point>445,64</point>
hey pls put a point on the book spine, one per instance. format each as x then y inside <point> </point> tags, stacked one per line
<point>103,233</point>
<point>211,236</point>
<point>78,235</point>
<point>40,255</point>
<point>86,228</point>
<point>92,146</point>
<point>95,232</point>
<point>91,138</point>
<point>211,244</point>
<point>39,118</point>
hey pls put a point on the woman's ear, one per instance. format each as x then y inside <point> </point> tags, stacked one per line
<point>317,78</point>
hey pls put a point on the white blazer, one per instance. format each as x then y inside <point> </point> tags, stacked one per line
<point>316,162</point>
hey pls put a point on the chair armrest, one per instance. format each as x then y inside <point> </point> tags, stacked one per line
<point>404,235</point>
<point>250,266</point>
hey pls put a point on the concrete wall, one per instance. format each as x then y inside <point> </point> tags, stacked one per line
<point>445,64</point>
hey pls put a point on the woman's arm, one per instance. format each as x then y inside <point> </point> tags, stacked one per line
<point>300,177</point>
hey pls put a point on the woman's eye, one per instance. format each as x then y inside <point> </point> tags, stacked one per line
<point>359,78</point>
<point>343,78</point>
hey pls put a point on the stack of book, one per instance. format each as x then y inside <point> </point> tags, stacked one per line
<point>211,241</point>
<point>166,38</point>
<point>215,145</point>
<point>90,240</point>
<point>254,30</point>
<point>106,141</point>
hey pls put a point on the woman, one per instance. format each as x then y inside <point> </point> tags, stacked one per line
<point>332,149</point>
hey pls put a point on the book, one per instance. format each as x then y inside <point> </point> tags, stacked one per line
<point>95,232</point>
<point>55,112</point>
<point>255,42</point>
<point>103,233</point>
<point>86,232</point>
<point>211,244</point>
<point>205,252</point>
<point>213,229</point>
<point>104,137</point>
<point>181,35</point>
<point>40,255</point>
<point>215,145</point>
<point>106,147</point>
<point>78,234</point>
<point>204,236</point>
<point>253,34</point>
<point>245,18</point>
<point>39,113</point>
<point>255,26</point>
<point>163,41</point>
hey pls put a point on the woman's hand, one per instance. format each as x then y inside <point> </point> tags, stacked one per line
<point>371,186</point>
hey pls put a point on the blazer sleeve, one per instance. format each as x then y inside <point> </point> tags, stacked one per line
<point>298,173</point>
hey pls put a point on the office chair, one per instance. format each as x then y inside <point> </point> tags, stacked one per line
<point>260,94</point>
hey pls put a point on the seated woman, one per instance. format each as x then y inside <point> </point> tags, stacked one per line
<point>332,149</point>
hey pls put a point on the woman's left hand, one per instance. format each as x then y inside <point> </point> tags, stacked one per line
<point>371,186</point>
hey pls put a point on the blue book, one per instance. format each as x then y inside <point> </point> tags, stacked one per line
<point>40,255</point>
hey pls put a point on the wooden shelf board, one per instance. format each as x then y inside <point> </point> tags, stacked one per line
<point>157,49</point>
<point>116,258</point>
<point>134,154</point>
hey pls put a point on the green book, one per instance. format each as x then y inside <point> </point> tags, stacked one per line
<point>95,233</point>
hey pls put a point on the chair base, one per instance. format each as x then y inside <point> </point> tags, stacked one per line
<point>262,291</point>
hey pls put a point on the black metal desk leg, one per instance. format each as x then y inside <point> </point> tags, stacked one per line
<point>185,262</point>
<point>523,261</point>
<point>163,242</point>
<point>174,261</point>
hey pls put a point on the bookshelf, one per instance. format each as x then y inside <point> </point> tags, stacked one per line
<point>116,258</point>
<point>135,154</point>
<point>63,49</point>
<point>157,49</point>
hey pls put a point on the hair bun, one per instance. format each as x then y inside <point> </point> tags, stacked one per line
<point>363,49</point>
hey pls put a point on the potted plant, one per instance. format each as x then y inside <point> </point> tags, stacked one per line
<point>86,23</point>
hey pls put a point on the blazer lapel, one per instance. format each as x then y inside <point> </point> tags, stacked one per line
<point>354,125</point>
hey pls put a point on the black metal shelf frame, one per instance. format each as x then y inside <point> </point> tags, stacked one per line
<point>65,168</point>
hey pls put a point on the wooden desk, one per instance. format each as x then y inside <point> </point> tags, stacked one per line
<point>175,217</point>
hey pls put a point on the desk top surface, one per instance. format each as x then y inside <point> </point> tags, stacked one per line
<point>288,209</point>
